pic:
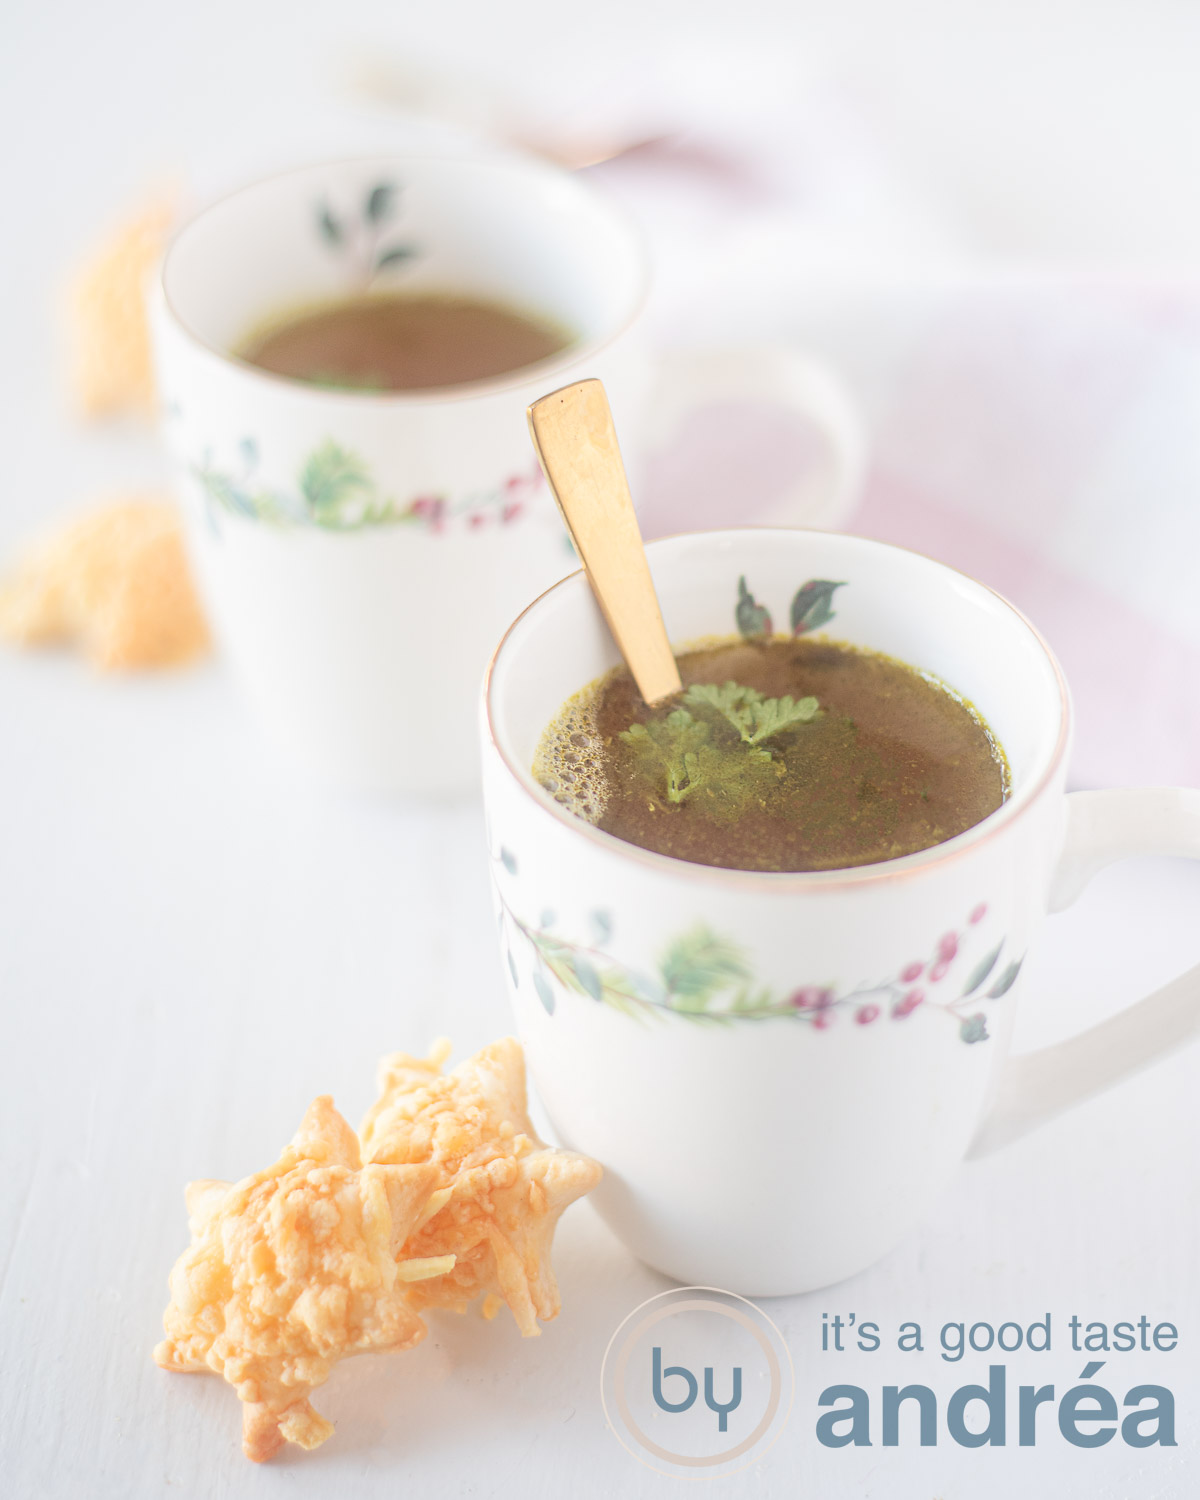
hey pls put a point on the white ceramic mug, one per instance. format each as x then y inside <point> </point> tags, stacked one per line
<point>781,1071</point>
<point>360,553</point>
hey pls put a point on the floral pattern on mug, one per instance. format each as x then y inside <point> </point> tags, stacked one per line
<point>811,609</point>
<point>336,491</point>
<point>361,235</point>
<point>704,977</point>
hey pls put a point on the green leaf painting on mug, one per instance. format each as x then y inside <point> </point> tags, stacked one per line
<point>331,229</point>
<point>981,971</point>
<point>703,976</point>
<point>973,1028</point>
<point>227,493</point>
<point>394,256</point>
<point>380,202</point>
<point>752,619</point>
<point>811,608</point>
<point>356,236</point>
<point>1006,980</point>
<point>602,927</point>
<point>812,605</point>
<point>544,993</point>
<point>336,491</point>
<point>699,965</point>
<point>330,478</point>
<point>588,977</point>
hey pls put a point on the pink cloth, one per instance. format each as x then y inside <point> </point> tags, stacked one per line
<point>1044,436</point>
<point>1039,430</point>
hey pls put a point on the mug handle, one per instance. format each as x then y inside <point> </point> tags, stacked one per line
<point>779,376</point>
<point>1036,1086</point>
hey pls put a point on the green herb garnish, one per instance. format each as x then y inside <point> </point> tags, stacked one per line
<point>692,755</point>
<point>754,717</point>
<point>677,746</point>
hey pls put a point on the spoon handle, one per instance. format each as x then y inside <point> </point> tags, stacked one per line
<point>576,444</point>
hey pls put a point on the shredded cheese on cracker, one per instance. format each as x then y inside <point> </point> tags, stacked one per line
<point>507,1189</point>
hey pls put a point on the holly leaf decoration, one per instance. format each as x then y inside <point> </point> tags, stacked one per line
<point>752,619</point>
<point>1006,980</point>
<point>331,229</point>
<point>699,965</point>
<point>812,605</point>
<point>380,201</point>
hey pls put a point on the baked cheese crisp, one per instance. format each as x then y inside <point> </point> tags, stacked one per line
<point>116,581</point>
<point>504,1189</point>
<point>336,1248</point>
<point>113,370</point>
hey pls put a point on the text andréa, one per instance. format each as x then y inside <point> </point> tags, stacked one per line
<point>1086,1413</point>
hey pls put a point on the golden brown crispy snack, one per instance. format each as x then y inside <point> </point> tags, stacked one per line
<point>117,580</point>
<point>500,1189</point>
<point>293,1269</point>
<point>113,369</point>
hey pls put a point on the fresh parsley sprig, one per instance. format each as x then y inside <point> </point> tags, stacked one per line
<point>754,717</point>
<point>677,747</point>
<point>679,750</point>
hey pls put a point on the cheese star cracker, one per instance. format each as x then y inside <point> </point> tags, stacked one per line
<point>113,366</point>
<point>500,1190</point>
<point>115,579</point>
<point>293,1269</point>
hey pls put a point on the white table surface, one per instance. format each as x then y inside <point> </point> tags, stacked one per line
<point>192,946</point>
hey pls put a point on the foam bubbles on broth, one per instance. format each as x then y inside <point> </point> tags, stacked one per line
<point>895,761</point>
<point>569,759</point>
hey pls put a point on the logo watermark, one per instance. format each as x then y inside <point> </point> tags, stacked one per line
<point>697,1382</point>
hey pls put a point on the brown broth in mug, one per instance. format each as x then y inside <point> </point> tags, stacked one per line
<point>892,762</point>
<point>402,343</point>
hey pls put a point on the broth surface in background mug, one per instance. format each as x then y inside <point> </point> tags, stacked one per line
<point>781,1071</point>
<point>397,343</point>
<point>360,552</point>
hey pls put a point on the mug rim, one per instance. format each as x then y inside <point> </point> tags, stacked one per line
<point>505,159</point>
<point>851,876</point>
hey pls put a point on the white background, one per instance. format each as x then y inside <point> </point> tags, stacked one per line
<point>191,946</point>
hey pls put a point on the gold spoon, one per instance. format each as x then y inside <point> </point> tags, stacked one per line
<point>576,442</point>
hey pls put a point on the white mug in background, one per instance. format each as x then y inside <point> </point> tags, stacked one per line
<point>780,1072</point>
<point>361,552</point>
